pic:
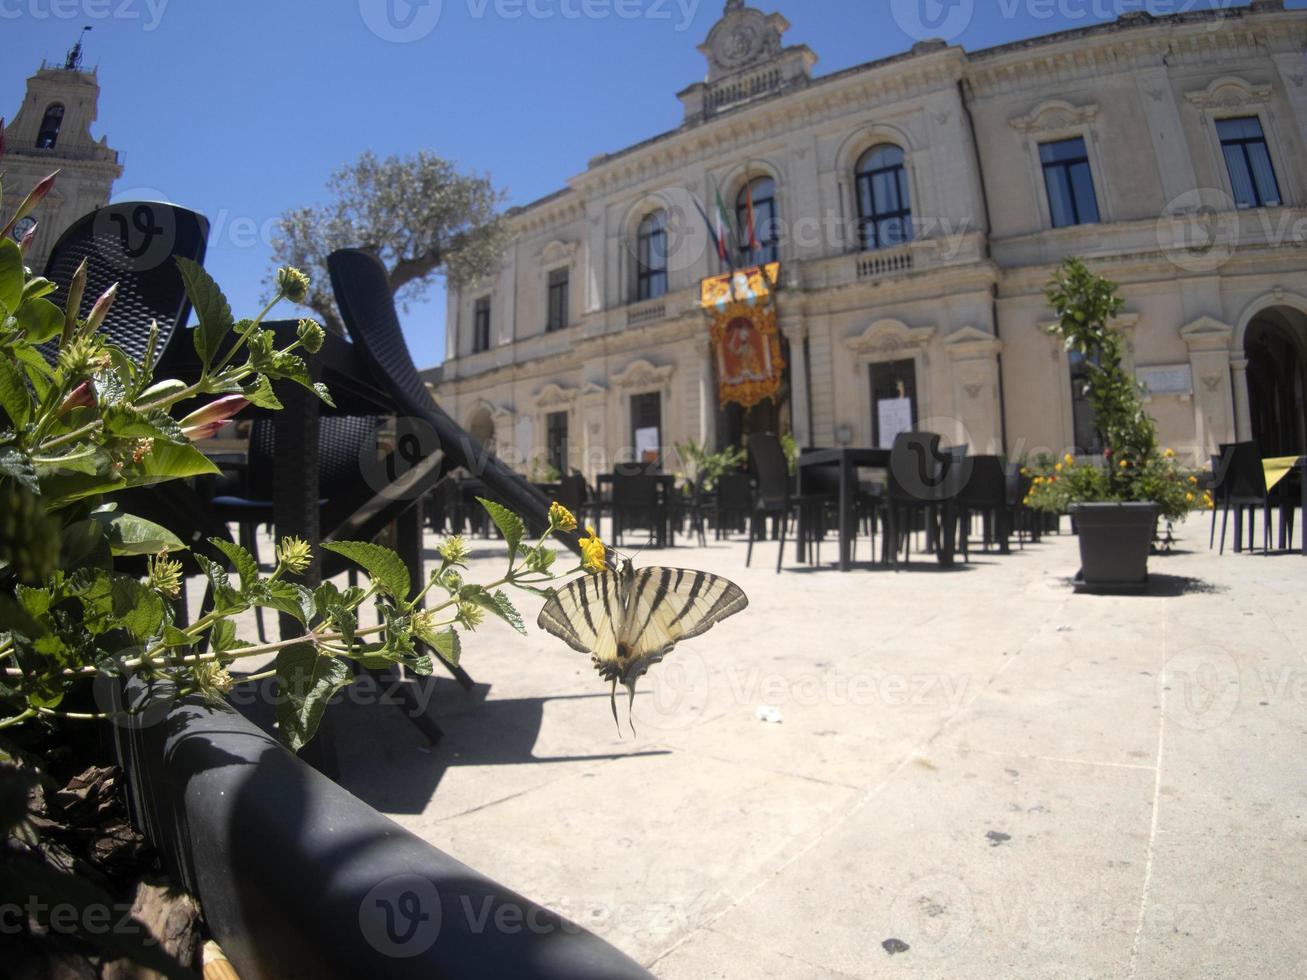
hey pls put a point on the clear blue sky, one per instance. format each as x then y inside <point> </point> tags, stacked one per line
<point>241,109</point>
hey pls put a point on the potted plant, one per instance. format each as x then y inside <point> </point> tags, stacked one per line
<point>1117,499</point>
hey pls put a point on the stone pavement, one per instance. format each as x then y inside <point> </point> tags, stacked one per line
<point>975,773</point>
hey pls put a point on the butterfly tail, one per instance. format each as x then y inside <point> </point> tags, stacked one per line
<point>612,698</point>
<point>630,709</point>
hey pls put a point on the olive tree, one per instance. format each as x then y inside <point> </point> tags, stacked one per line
<point>418,214</point>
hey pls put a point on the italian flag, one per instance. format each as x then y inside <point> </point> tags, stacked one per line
<point>723,222</point>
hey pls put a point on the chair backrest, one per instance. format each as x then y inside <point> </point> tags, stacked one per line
<point>770,468</point>
<point>362,289</point>
<point>987,482</point>
<point>133,244</point>
<point>635,490</point>
<point>917,468</point>
<point>1240,472</point>
<point>572,492</point>
<point>342,442</point>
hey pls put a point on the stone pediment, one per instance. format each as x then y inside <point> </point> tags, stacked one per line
<point>889,337</point>
<point>1207,333</point>
<point>1055,114</point>
<point>554,396</point>
<point>558,252</point>
<point>1230,93</point>
<point>971,342</point>
<point>642,374</point>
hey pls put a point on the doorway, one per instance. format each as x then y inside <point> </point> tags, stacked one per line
<point>1276,347</point>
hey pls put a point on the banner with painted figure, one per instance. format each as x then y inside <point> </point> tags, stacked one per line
<point>745,336</point>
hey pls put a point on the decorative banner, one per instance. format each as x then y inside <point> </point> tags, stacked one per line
<point>745,336</point>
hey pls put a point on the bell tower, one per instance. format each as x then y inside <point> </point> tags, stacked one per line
<point>52,131</point>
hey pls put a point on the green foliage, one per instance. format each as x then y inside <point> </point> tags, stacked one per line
<point>705,469</point>
<point>1132,468</point>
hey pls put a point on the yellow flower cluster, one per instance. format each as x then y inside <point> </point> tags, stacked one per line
<point>594,557</point>
<point>561,518</point>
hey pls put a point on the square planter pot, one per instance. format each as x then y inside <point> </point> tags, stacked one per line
<point>1115,540</point>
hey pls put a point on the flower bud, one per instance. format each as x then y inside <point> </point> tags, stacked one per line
<point>25,245</point>
<point>198,433</point>
<point>217,411</point>
<point>292,284</point>
<point>76,288</point>
<point>101,309</point>
<point>83,396</point>
<point>311,335</point>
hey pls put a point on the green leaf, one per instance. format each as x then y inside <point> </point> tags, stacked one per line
<point>37,287</point>
<point>211,308</point>
<point>127,423</point>
<point>17,466</point>
<point>41,319</point>
<point>498,604</point>
<point>128,534</point>
<point>163,389</point>
<point>259,392</point>
<point>224,596</point>
<point>169,461</point>
<point>509,524</point>
<point>11,275</point>
<point>308,681</point>
<point>288,597</point>
<point>246,567</point>
<point>447,645</point>
<point>223,636</point>
<point>174,638</point>
<point>82,544</point>
<point>15,399</point>
<point>387,569</point>
<point>321,391</point>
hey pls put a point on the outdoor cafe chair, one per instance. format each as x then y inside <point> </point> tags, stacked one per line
<point>1241,486</point>
<point>732,503</point>
<point>134,244</point>
<point>774,498</point>
<point>367,306</point>
<point>985,493</point>
<point>915,486</point>
<point>637,505</point>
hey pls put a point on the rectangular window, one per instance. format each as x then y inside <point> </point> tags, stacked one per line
<point>647,427</point>
<point>559,282</point>
<point>556,441</point>
<point>1252,176</point>
<point>893,400</point>
<point>1070,183</point>
<point>481,325</point>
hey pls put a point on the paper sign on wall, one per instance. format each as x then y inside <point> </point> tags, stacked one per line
<point>647,448</point>
<point>895,416</point>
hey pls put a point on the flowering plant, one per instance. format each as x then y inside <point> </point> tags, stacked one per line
<point>76,431</point>
<point>1132,468</point>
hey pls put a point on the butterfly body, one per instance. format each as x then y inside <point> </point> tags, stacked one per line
<point>629,620</point>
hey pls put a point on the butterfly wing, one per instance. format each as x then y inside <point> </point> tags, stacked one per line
<point>669,605</point>
<point>586,615</point>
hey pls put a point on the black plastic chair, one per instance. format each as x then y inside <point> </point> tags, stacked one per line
<point>1241,486</point>
<point>986,493</point>
<point>732,503</point>
<point>362,289</point>
<point>636,506</point>
<point>917,482</point>
<point>133,244</point>
<point>774,498</point>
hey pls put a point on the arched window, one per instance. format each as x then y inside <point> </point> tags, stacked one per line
<point>755,209</point>
<point>884,203</point>
<point>651,257</point>
<point>50,125</point>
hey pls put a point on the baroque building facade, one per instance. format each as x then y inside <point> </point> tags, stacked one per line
<point>52,131</point>
<point>918,206</point>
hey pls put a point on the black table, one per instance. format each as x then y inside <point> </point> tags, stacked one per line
<point>849,460</point>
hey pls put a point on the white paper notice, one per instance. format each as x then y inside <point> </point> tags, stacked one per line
<point>647,449</point>
<point>895,416</point>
